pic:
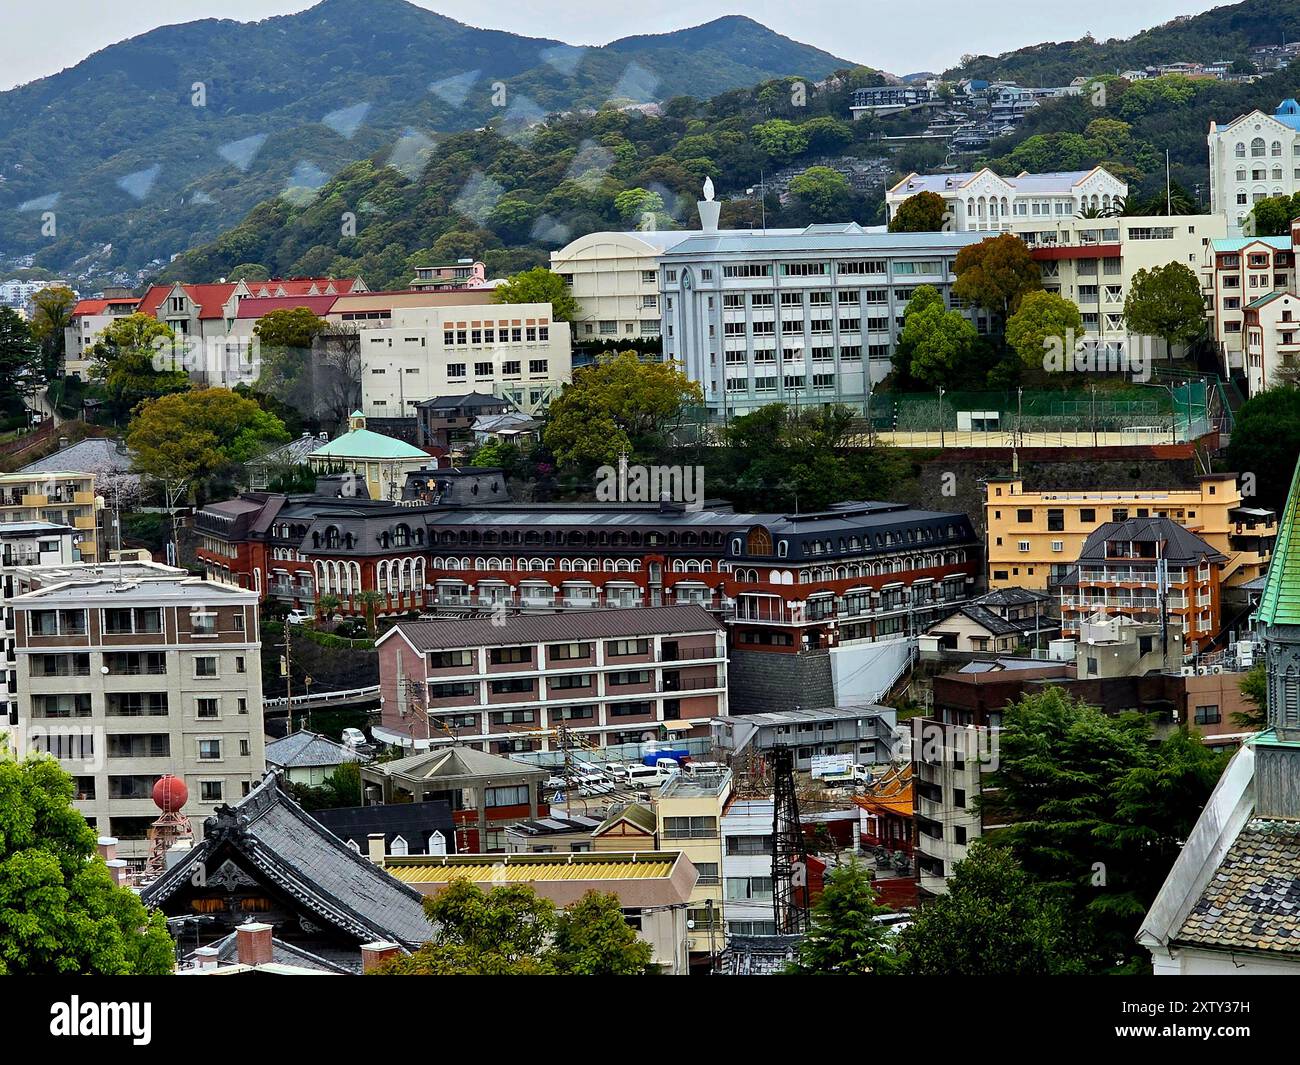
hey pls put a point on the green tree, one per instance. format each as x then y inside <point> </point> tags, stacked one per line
<point>992,921</point>
<point>1166,302</point>
<point>937,340</point>
<point>327,605</point>
<point>801,458</point>
<point>843,939</point>
<point>1254,686</point>
<point>618,404</point>
<point>1043,317</point>
<point>60,911</point>
<point>780,140</point>
<point>1096,811</point>
<point>370,601</point>
<point>1270,217</point>
<point>923,213</point>
<point>633,205</point>
<point>137,358</point>
<point>996,274</point>
<point>502,932</point>
<point>593,938</point>
<point>826,193</point>
<point>293,327</point>
<point>21,370</point>
<point>538,285</point>
<point>186,440</point>
<point>1265,441</point>
<point>51,315</point>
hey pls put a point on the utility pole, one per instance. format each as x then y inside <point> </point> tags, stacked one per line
<point>941,444</point>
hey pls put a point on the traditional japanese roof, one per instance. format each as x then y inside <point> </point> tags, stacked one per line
<point>757,955</point>
<point>303,749</point>
<point>891,794</point>
<point>301,858</point>
<point>282,953</point>
<point>544,628</point>
<point>1012,597</point>
<point>1280,602</point>
<point>96,454</point>
<point>1252,901</point>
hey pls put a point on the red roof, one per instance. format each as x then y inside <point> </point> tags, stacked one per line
<point>301,286</point>
<point>153,299</point>
<point>256,307</point>
<point>84,307</point>
<point>211,298</point>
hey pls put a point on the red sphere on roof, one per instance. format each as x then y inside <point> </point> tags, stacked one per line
<point>170,793</point>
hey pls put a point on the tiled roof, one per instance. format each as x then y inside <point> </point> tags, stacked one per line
<point>307,749</point>
<point>1180,544</point>
<point>282,953</point>
<point>1280,602</point>
<point>543,628</point>
<point>93,455</point>
<point>635,814</point>
<point>294,852</point>
<point>1252,901</point>
<point>1229,244</point>
<point>446,764</point>
<point>257,306</point>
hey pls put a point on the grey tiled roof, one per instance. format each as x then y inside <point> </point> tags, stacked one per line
<point>85,456</point>
<point>542,628</point>
<point>305,749</point>
<point>1252,901</point>
<point>282,953</point>
<point>298,855</point>
<point>1181,545</point>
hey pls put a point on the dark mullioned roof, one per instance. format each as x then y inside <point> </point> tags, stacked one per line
<point>1180,544</point>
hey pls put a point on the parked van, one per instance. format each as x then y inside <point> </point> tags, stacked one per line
<point>646,776</point>
<point>694,769</point>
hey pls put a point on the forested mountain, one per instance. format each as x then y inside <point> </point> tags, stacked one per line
<point>162,141</point>
<point>512,198</point>
<point>1224,33</point>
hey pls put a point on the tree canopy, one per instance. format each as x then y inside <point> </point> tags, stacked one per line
<point>511,931</point>
<point>923,213</point>
<point>186,439</point>
<point>1265,442</point>
<point>618,404</point>
<point>21,368</point>
<point>996,274</point>
<point>538,285</point>
<point>1096,811</point>
<point>1166,302</point>
<point>842,938</point>
<point>1043,317</point>
<point>137,358</point>
<point>60,911</point>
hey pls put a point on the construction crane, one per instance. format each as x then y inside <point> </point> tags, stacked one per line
<point>789,854</point>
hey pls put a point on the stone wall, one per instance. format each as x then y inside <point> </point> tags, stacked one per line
<point>761,682</point>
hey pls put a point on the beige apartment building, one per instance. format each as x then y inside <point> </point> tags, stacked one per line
<point>517,351</point>
<point>1092,261</point>
<point>689,812</point>
<point>58,498</point>
<point>125,678</point>
<point>615,279</point>
<point>1034,537</point>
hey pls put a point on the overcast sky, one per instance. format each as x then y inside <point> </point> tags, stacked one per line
<point>43,38</point>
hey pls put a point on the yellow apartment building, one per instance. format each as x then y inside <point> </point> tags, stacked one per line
<point>1034,537</point>
<point>61,498</point>
<point>689,812</point>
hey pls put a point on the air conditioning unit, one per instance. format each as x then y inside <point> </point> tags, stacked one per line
<point>1187,671</point>
<point>1202,671</point>
<point>1216,670</point>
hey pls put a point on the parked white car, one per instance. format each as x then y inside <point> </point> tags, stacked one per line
<point>297,616</point>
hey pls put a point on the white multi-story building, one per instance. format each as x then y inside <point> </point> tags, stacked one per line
<point>1253,157</point>
<point>985,202</point>
<point>517,351</point>
<point>23,543</point>
<point>615,279</point>
<point>747,867</point>
<point>1092,261</point>
<point>807,317</point>
<point>18,294</point>
<point>125,680</point>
